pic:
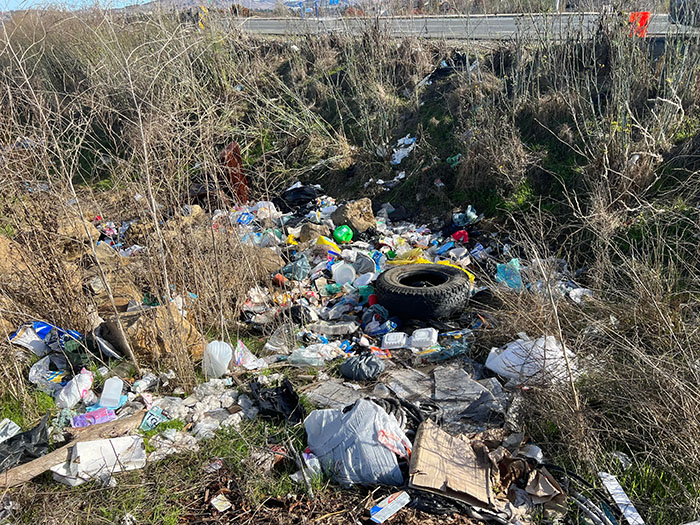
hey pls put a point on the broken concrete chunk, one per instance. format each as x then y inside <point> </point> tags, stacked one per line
<point>311,232</point>
<point>356,214</point>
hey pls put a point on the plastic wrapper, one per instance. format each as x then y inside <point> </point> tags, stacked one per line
<point>245,358</point>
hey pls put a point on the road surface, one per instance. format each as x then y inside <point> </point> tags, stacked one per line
<point>477,27</point>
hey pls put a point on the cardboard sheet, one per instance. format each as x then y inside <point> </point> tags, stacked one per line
<point>449,466</point>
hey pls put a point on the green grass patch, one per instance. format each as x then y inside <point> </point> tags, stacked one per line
<point>25,411</point>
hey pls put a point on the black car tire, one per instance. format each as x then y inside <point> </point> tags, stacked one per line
<point>423,291</point>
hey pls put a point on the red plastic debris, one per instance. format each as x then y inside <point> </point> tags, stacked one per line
<point>640,23</point>
<point>461,236</point>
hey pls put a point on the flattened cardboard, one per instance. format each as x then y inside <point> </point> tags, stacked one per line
<point>449,466</point>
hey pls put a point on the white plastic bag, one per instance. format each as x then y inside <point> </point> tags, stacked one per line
<point>528,360</point>
<point>358,446</point>
<point>76,389</point>
<point>217,357</point>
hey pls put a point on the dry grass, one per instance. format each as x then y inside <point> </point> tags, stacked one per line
<point>583,150</point>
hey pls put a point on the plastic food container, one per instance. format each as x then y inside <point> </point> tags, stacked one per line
<point>343,273</point>
<point>394,340</point>
<point>423,338</point>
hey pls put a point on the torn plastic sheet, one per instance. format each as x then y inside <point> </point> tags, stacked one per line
<point>26,446</point>
<point>332,394</point>
<point>404,146</point>
<point>459,396</point>
<point>358,446</point>
<point>409,384</point>
<point>8,428</point>
<point>46,380</point>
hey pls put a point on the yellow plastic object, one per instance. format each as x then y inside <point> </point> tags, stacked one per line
<point>328,244</point>
<point>405,259</point>
<point>291,240</point>
<point>447,263</point>
<point>410,257</point>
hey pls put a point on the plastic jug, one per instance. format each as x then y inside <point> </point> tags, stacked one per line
<point>217,357</point>
<point>343,273</point>
<point>111,393</point>
<point>343,234</point>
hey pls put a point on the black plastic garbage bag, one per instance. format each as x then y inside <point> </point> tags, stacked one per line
<point>26,446</point>
<point>363,367</point>
<point>279,401</point>
<point>296,197</point>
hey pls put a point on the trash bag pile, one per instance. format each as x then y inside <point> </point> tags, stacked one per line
<point>367,318</point>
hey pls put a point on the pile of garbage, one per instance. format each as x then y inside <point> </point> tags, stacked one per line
<point>378,306</point>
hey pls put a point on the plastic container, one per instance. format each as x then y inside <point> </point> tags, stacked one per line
<point>423,338</point>
<point>343,273</point>
<point>217,357</point>
<point>343,233</point>
<point>394,340</point>
<point>364,279</point>
<point>111,393</point>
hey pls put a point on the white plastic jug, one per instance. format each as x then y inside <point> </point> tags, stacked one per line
<point>343,273</point>
<point>111,393</point>
<point>217,357</point>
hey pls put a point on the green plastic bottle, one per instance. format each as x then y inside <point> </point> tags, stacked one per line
<point>343,233</point>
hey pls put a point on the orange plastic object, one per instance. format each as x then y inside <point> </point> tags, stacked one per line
<point>640,23</point>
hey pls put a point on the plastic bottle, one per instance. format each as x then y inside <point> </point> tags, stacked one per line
<point>217,357</point>
<point>145,383</point>
<point>76,389</point>
<point>111,393</point>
